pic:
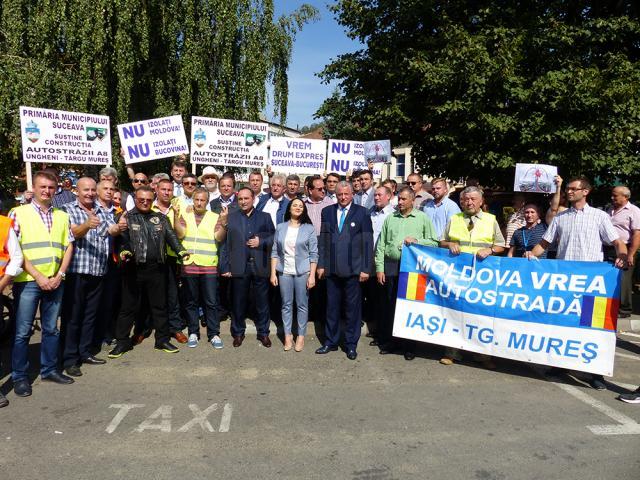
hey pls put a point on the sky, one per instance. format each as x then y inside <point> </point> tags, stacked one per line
<point>315,46</point>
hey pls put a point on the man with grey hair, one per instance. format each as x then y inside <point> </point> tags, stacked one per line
<point>476,232</point>
<point>345,258</point>
<point>155,179</point>
<point>293,187</point>
<point>275,204</point>
<point>625,217</point>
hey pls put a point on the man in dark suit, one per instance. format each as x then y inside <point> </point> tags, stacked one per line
<point>275,204</point>
<point>245,259</point>
<point>346,250</point>
<point>367,190</point>
<point>227,198</point>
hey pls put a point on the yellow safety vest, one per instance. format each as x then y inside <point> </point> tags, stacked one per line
<point>200,240</point>
<point>481,236</point>
<point>42,248</point>
<point>169,216</point>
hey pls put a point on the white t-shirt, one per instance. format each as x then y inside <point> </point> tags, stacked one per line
<point>290,250</point>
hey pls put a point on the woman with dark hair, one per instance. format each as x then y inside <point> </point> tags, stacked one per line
<point>294,258</point>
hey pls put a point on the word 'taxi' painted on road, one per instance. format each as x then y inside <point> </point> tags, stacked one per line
<point>162,418</point>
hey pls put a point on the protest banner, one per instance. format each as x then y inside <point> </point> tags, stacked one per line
<point>377,151</point>
<point>232,143</point>
<point>550,312</point>
<point>535,178</point>
<point>153,139</point>
<point>56,136</point>
<point>346,155</point>
<point>298,155</point>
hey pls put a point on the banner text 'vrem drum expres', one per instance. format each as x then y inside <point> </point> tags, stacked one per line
<point>551,312</point>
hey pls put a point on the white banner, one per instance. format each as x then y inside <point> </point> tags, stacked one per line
<point>535,178</point>
<point>346,155</point>
<point>56,136</point>
<point>377,151</point>
<point>298,155</point>
<point>153,139</point>
<point>232,143</point>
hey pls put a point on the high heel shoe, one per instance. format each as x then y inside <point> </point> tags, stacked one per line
<point>288,342</point>
<point>299,343</point>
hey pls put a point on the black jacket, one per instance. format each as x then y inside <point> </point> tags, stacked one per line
<point>149,231</point>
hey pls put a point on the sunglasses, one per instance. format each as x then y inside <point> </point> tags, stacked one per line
<point>144,200</point>
<point>189,183</point>
<point>412,183</point>
<point>139,180</point>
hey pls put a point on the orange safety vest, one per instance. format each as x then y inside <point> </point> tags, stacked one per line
<point>5,226</point>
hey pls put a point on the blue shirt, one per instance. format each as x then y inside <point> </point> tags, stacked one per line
<point>441,214</point>
<point>524,239</point>
<point>91,252</point>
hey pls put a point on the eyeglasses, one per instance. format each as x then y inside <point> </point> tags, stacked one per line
<point>571,189</point>
<point>320,189</point>
<point>413,183</point>
<point>139,180</point>
<point>144,200</point>
<point>189,183</point>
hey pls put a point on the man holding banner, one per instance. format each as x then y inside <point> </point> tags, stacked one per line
<point>405,226</point>
<point>472,231</point>
<point>580,231</point>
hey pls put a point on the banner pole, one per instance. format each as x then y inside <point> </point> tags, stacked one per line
<point>29,176</point>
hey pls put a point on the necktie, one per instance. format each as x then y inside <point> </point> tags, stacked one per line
<point>343,213</point>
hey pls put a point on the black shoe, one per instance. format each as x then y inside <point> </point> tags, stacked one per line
<point>597,383</point>
<point>374,343</point>
<point>166,347</point>
<point>624,315</point>
<point>352,354</point>
<point>119,350</point>
<point>409,356</point>
<point>73,370</point>
<point>3,401</point>
<point>326,349</point>
<point>22,388</point>
<point>58,378</point>
<point>93,361</point>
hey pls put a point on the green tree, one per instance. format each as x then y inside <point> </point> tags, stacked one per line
<point>137,59</point>
<point>476,87</point>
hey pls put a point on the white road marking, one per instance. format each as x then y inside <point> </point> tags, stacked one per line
<point>626,355</point>
<point>124,409</point>
<point>629,334</point>
<point>225,421</point>
<point>164,412</point>
<point>628,426</point>
<point>199,418</point>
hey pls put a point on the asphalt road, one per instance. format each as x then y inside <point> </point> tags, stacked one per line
<point>263,413</point>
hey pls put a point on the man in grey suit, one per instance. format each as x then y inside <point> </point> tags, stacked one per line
<point>365,196</point>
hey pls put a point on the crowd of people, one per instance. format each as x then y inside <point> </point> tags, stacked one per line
<point>180,253</point>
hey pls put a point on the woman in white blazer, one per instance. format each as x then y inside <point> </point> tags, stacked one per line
<point>294,258</point>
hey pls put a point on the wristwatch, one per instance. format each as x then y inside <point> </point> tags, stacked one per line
<point>63,275</point>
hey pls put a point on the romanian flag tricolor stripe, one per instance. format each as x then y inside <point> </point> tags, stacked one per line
<point>412,286</point>
<point>599,312</point>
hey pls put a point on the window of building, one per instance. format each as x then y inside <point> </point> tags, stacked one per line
<point>400,159</point>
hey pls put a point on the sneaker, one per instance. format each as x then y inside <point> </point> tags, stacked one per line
<point>3,401</point>
<point>597,383</point>
<point>118,351</point>
<point>216,342</point>
<point>446,361</point>
<point>630,397</point>
<point>193,341</point>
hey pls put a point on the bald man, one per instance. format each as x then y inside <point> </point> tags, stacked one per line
<point>91,224</point>
<point>625,217</point>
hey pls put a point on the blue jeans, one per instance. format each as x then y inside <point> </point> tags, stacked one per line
<point>27,296</point>
<point>202,290</point>
<point>291,285</point>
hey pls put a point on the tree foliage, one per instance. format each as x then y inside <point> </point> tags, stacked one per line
<point>477,86</point>
<point>137,59</point>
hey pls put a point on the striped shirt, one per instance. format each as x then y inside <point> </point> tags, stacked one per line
<point>314,209</point>
<point>581,233</point>
<point>91,254</point>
